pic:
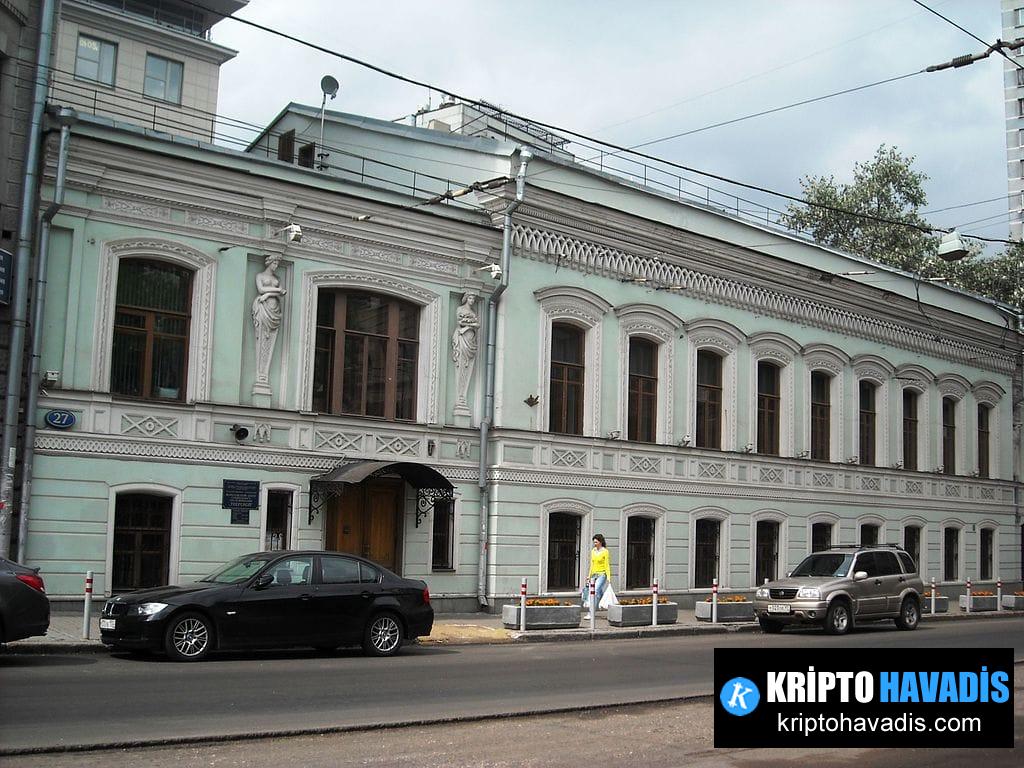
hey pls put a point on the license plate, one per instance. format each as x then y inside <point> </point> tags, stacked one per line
<point>779,608</point>
<point>108,623</point>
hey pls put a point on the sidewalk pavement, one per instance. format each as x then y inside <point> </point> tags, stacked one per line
<point>65,633</point>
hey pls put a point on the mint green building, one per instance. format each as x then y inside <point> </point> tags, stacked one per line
<point>716,397</point>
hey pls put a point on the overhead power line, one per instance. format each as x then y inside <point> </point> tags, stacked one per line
<point>569,132</point>
<point>967,32</point>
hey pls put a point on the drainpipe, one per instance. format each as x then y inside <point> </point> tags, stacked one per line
<point>492,332</point>
<point>66,117</point>
<point>22,257</point>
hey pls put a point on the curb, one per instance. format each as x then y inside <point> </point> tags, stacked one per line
<point>554,636</point>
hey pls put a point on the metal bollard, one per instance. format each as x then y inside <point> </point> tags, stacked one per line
<point>522,605</point>
<point>654,603</point>
<point>933,595</point>
<point>593,604</point>
<point>999,595</point>
<point>969,598</point>
<point>714,601</point>
<point>87,611</point>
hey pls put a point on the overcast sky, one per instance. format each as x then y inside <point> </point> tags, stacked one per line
<point>631,72</point>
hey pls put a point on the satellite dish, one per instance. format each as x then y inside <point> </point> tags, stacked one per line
<point>329,86</point>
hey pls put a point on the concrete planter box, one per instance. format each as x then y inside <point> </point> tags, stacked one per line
<point>640,615</point>
<point>978,603</point>
<point>1013,602</point>
<point>542,616</point>
<point>726,611</point>
<point>941,605</point>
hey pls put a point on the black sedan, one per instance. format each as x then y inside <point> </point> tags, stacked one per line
<point>24,607</point>
<point>274,600</point>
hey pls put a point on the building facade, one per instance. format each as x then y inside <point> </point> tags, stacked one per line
<point>717,399</point>
<point>1013,95</point>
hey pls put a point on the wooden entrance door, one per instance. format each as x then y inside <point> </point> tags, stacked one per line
<point>364,521</point>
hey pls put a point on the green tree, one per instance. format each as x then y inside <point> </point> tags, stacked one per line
<point>887,187</point>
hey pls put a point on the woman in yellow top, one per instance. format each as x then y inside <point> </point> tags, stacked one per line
<point>600,571</point>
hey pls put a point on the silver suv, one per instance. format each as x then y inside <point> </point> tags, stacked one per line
<point>842,585</point>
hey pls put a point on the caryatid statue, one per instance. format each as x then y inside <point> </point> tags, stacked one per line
<point>464,349</point>
<point>266,319</point>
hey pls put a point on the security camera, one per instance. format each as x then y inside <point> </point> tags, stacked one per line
<point>239,432</point>
<point>294,233</point>
<point>495,270</point>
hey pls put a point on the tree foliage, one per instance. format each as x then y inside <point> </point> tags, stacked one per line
<point>884,224</point>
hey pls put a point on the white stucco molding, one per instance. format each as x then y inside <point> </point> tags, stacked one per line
<point>293,518</point>
<point>833,361</point>
<point>914,376</point>
<point>724,545</point>
<point>174,553</point>
<point>953,385</point>
<point>428,368</point>
<point>580,509</point>
<point>660,516</point>
<point>596,258</point>
<point>781,350</point>
<point>869,519</point>
<point>920,380</point>
<point>916,521</point>
<point>988,392</point>
<point>993,526</point>
<point>724,339</point>
<point>200,351</point>
<point>961,527</point>
<point>586,310</point>
<point>660,326</point>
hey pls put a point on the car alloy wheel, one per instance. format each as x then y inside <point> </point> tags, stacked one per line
<point>383,635</point>
<point>909,614</point>
<point>837,620</point>
<point>188,637</point>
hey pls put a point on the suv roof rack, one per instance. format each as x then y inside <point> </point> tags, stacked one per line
<point>865,546</point>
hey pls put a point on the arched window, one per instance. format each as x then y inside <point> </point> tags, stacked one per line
<point>709,399</point>
<point>643,390</point>
<point>949,405</point>
<point>149,354</point>
<point>769,386</point>
<point>766,551</point>
<point>821,536</point>
<point>951,553</point>
<point>986,553</point>
<point>984,439</point>
<point>821,416</point>
<point>911,399</point>
<point>564,530</point>
<point>868,411</point>
<point>869,534</point>
<point>640,551</point>
<point>365,361</point>
<point>568,370</point>
<point>912,543</point>
<point>707,544</point>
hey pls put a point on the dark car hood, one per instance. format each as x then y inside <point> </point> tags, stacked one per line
<point>165,593</point>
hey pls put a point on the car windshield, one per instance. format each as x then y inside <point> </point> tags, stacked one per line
<point>824,564</point>
<point>238,570</point>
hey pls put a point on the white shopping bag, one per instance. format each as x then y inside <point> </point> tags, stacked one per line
<point>608,598</point>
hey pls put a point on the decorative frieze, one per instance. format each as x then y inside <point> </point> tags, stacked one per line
<point>397,444</point>
<point>219,223</point>
<point>148,426</point>
<point>645,465</point>
<point>136,208</point>
<point>336,440</point>
<point>823,480</point>
<point>568,458</point>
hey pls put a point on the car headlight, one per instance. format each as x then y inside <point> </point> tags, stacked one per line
<point>150,609</point>
<point>808,593</point>
<point>762,593</point>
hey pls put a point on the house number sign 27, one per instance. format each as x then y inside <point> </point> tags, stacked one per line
<point>59,419</point>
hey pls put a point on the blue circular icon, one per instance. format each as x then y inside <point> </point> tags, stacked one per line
<point>739,696</point>
<point>60,419</point>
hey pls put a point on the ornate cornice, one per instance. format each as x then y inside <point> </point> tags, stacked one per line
<point>593,258</point>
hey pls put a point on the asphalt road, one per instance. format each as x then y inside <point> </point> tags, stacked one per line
<point>69,700</point>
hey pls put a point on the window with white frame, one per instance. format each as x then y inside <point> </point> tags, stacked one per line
<point>911,409</point>
<point>949,409</point>
<point>912,543</point>
<point>640,551</point>
<point>443,536</point>
<point>563,555</point>
<point>869,534</point>
<point>821,416</point>
<point>709,399</point>
<point>96,60</point>
<point>707,551</point>
<point>642,401</point>
<point>1018,15</point>
<point>647,339</point>
<point>772,379</point>
<point>951,553</point>
<point>569,317</point>
<point>868,391</point>
<point>823,433</point>
<point>769,407</point>
<point>986,553</point>
<point>163,78</point>
<point>821,536</point>
<point>711,380</point>
<point>766,550</point>
<point>987,395</point>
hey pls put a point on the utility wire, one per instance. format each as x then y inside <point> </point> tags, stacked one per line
<point>967,32</point>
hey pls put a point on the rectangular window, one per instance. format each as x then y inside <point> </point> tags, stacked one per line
<point>949,435</point>
<point>163,79</point>
<point>709,400</point>
<point>444,536</point>
<point>912,542</point>
<point>867,423</point>
<point>1020,76</point>
<point>821,416</point>
<point>910,398</point>
<point>951,552</point>
<point>821,536</point>
<point>307,155</point>
<point>984,440</point>
<point>286,147</point>
<point>563,552</point>
<point>1019,17</point>
<point>986,537</point>
<point>869,535</point>
<point>643,390</point>
<point>95,60</point>
<point>565,403</point>
<point>639,552</point>
<point>706,548</point>
<point>279,519</point>
<point>768,408</point>
<point>368,344</point>
<point>766,560</point>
